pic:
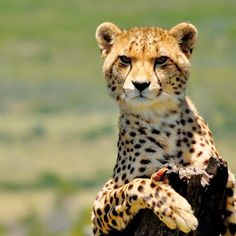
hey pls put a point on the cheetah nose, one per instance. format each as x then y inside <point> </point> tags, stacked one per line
<point>140,86</point>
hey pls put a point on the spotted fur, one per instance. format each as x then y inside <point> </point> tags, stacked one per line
<point>146,70</point>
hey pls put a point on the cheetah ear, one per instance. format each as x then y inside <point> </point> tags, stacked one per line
<point>105,36</point>
<point>186,34</point>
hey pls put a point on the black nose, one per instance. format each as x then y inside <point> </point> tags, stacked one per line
<point>140,86</point>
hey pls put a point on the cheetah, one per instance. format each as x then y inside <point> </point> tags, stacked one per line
<point>146,72</point>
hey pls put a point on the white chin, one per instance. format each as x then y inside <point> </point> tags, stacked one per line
<point>140,101</point>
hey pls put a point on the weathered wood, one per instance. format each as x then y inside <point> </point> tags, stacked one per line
<point>205,191</point>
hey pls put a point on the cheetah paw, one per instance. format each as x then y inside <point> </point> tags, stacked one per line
<point>185,221</point>
<point>178,214</point>
<point>173,209</point>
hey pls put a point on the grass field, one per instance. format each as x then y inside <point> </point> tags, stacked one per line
<point>58,125</point>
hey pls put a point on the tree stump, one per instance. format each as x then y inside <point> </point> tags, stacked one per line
<point>205,191</point>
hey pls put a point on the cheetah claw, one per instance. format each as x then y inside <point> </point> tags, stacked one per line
<point>160,175</point>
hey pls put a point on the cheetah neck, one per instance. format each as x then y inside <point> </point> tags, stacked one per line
<point>175,134</point>
<point>147,140</point>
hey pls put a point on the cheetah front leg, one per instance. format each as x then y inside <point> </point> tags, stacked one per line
<point>114,208</point>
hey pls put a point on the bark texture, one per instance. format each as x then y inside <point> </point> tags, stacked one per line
<point>205,191</point>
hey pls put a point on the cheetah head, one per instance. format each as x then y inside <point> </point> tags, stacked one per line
<point>145,66</point>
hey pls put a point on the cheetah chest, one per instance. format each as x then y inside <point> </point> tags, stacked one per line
<point>143,147</point>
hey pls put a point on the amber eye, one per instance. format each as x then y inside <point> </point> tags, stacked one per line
<point>161,60</point>
<point>125,60</point>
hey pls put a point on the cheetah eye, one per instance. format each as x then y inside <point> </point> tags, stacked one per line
<point>125,60</point>
<point>161,60</point>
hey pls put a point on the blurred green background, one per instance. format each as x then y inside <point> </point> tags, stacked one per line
<point>58,125</point>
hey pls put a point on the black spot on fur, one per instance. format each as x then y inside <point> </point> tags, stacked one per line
<point>178,143</point>
<point>185,140</point>
<point>142,169</point>
<point>190,120</point>
<point>141,131</point>
<point>151,139</point>
<point>132,134</point>
<point>179,154</point>
<point>155,131</point>
<point>199,154</point>
<point>107,208</point>
<point>192,150</point>
<point>111,200</point>
<point>137,146</point>
<point>189,134</point>
<point>123,177</point>
<point>132,170</point>
<point>99,212</point>
<point>105,218</point>
<point>140,188</point>
<point>150,150</point>
<point>145,161</point>
<point>167,134</point>
<point>114,222</point>
<point>99,223</point>
<point>142,141</point>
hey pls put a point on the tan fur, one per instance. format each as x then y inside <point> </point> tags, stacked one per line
<point>146,70</point>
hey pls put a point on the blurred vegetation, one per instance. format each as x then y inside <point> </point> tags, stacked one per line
<point>55,114</point>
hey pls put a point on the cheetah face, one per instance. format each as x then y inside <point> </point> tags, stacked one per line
<point>143,66</point>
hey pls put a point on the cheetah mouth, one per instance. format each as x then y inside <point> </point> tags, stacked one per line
<point>141,98</point>
<point>151,97</point>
